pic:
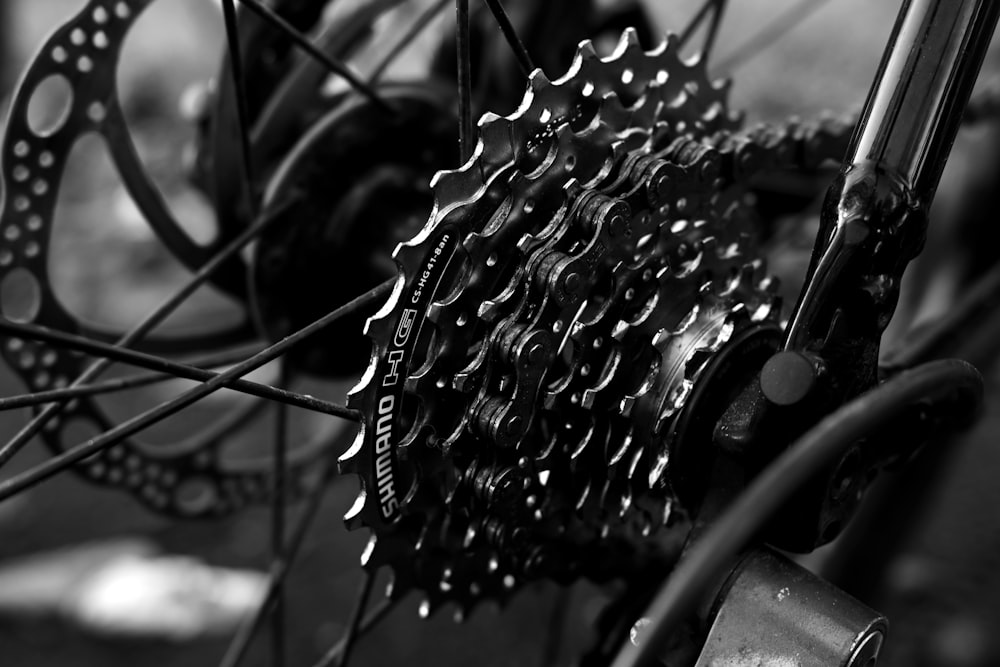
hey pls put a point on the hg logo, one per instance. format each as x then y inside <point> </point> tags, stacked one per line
<point>399,341</point>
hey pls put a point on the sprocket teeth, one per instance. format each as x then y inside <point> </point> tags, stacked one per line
<point>631,37</point>
<point>375,555</point>
<point>353,519</point>
<point>628,40</point>
<point>573,133</point>
<point>668,46</point>
<point>348,461</point>
<point>538,83</point>
<point>585,52</point>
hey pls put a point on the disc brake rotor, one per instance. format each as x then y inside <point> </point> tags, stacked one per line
<point>185,477</point>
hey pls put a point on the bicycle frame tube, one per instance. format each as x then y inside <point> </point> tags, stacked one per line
<point>915,107</point>
<point>874,219</point>
<point>873,223</point>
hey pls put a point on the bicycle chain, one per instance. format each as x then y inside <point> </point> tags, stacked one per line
<point>550,321</point>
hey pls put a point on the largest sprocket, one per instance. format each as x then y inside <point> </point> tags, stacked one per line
<point>549,323</point>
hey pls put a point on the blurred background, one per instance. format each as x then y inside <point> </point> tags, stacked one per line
<point>107,266</point>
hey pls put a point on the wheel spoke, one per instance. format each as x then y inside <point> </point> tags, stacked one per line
<point>146,419</point>
<point>966,331</point>
<point>775,30</point>
<point>331,63</point>
<point>151,362</point>
<point>515,43</point>
<point>279,501</point>
<point>282,566</point>
<point>416,28</point>
<point>351,636</point>
<point>122,383</point>
<point>242,110</point>
<point>370,620</point>
<point>712,10</point>
<point>148,324</point>
<point>465,132</point>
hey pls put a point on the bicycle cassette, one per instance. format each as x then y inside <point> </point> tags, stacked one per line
<point>551,320</point>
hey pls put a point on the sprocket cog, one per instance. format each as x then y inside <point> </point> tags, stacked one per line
<point>550,322</point>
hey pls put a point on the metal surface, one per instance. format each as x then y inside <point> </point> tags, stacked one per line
<point>940,385</point>
<point>926,77</point>
<point>873,223</point>
<point>774,613</point>
<point>875,212</point>
<point>551,322</point>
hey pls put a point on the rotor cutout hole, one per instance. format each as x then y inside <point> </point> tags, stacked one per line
<point>42,380</point>
<point>163,136</point>
<point>195,496</point>
<point>122,10</point>
<point>50,105</point>
<point>84,64</point>
<point>49,358</point>
<point>105,262</point>
<point>20,296</point>
<point>27,359</point>
<point>78,37</point>
<point>96,112</point>
<point>100,16</point>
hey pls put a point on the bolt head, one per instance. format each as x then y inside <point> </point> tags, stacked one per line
<point>787,378</point>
